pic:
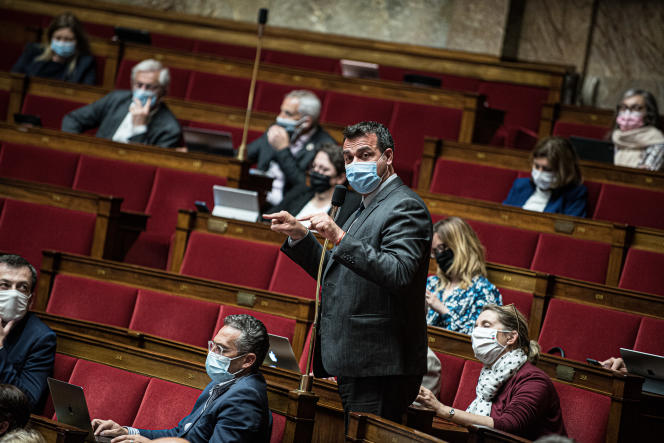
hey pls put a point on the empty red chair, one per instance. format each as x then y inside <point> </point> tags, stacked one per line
<point>92,300</point>
<point>50,110</point>
<point>35,164</point>
<point>171,42</point>
<point>467,383</point>
<point>164,404</point>
<point>567,129</point>
<point>633,206</point>
<point>27,228</point>
<point>174,317</point>
<point>522,300</point>
<point>111,393</point>
<point>303,61</point>
<point>649,337</point>
<point>230,260</point>
<point>566,325</point>
<point>278,428</point>
<point>270,95</point>
<point>63,366</point>
<point>506,245</point>
<point>522,104</point>
<point>275,324</point>
<point>472,181</point>
<point>585,413</point>
<point>643,272</point>
<point>572,257</point>
<point>226,50</point>
<point>347,109</point>
<point>289,278</point>
<point>450,374</point>
<point>218,89</point>
<point>131,181</point>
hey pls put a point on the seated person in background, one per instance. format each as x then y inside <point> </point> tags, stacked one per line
<point>27,346</point>
<point>23,436</point>
<point>513,395</point>
<point>288,147</point>
<point>136,116</point>
<point>458,292</point>
<point>14,408</point>
<point>67,56</point>
<point>555,182</point>
<point>327,170</point>
<point>233,407</point>
<point>637,135</point>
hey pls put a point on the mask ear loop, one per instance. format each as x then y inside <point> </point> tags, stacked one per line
<point>518,326</point>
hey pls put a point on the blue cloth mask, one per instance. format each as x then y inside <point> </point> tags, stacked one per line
<point>63,49</point>
<point>363,176</point>
<point>217,365</point>
<point>143,95</point>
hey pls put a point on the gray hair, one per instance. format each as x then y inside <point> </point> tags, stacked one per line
<point>309,103</point>
<point>151,65</point>
<point>651,117</point>
<point>254,337</point>
<point>15,262</point>
<point>22,436</point>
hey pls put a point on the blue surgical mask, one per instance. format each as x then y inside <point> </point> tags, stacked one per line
<point>217,365</point>
<point>143,95</point>
<point>63,49</point>
<point>363,177</point>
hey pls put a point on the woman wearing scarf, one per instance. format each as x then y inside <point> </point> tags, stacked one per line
<point>637,136</point>
<point>513,395</point>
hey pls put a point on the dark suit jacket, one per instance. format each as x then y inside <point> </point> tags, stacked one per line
<point>372,309</point>
<point>26,359</point>
<point>262,153</point>
<point>108,112</point>
<point>240,414</point>
<point>84,71</point>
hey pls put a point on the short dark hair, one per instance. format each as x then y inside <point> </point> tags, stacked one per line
<point>14,407</point>
<point>651,117</point>
<point>16,261</point>
<point>254,336</point>
<point>336,156</point>
<point>365,128</point>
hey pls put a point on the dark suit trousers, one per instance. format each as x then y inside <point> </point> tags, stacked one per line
<point>386,396</point>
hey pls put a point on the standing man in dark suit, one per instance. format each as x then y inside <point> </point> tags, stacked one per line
<point>288,147</point>
<point>136,116</point>
<point>373,329</point>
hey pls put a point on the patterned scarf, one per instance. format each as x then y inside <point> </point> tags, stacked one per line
<point>493,377</point>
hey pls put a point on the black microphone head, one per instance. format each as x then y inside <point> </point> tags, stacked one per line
<point>262,16</point>
<point>339,195</point>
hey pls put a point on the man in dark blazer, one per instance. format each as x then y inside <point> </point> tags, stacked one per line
<point>233,407</point>
<point>289,146</point>
<point>136,116</point>
<point>373,329</point>
<point>27,346</point>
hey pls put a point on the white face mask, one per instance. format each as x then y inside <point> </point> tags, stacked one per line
<point>486,347</point>
<point>13,304</point>
<point>543,179</point>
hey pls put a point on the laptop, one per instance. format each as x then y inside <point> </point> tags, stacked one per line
<point>72,409</point>
<point>648,366</point>
<point>593,149</point>
<point>281,354</point>
<point>238,204</point>
<point>209,141</point>
<point>357,69</point>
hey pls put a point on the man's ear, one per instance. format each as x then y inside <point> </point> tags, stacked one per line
<point>4,425</point>
<point>249,360</point>
<point>389,156</point>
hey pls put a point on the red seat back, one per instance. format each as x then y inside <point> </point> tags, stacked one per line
<point>270,95</point>
<point>50,110</point>
<point>633,206</point>
<point>63,366</point>
<point>506,245</point>
<point>347,109</point>
<point>649,337</point>
<point>572,257</point>
<point>289,278</point>
<point>35,164</point>
<point>278,428</point>
<point>643,272</point>
<point>450,375</point>
<point>472,181</point>
<point>567,129</point>
<point>170,41</point>
<point>585,413</point>
<point>522,300</point>
<point>467,384</point>
<point>302,61</point>
<point>164,405</point>
<point>218,89</point>
<point>522,104</point>
<point>226,50</point>
<point>275,324</point>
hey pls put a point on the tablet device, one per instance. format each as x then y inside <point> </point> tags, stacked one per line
<point>238,204</point>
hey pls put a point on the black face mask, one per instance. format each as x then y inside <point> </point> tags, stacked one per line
<point>319,182</point>
<point>445,259</point>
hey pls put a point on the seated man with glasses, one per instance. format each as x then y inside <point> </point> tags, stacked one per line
<point>233,407</point>
<point>136,116</point>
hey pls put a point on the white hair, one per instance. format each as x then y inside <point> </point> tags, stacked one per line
<point>309,103</point>
<point>151,65</point>
<point>22,436</point>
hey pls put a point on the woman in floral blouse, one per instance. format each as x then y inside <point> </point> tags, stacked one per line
<point>460,289</point>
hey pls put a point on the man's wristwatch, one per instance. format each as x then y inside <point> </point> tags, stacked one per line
<point>451,413</point>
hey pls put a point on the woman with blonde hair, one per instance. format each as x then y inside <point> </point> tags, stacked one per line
<point>512,394</point>
<point>460,289</point>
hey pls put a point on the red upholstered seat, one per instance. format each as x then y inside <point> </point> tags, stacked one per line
<point>566,325</point>
<point>506,245</point>
<point>92,300</point>
<point>522,104</point>
<point>171,41</point>
<point>522,300</point>
<point>289,278</point>
<point>27,228</point>
<point>467,383</point>
<point>649,337</point>
<point>131,181</point>
<point>98,30</point>
<point>218,89</point>
<point>270,95</point>
<point>594,189</point>
<point>295,60</point>
<point>111,393</point>
<point>164,405</point>
<point>347,109</point>
<point>305,354</point>
<point>638,207</point>
<point>35,164</point>
<point>643,272</point>
<point>585,413</point>
<point>50,110</point>
<point>278,428</point>
<point>226,50</point>
<point>275,324</point>
<point>229,260</point>
<point>567,129</point>
<point>63,366</point>
<point>174,317</point>
<point>572,257</point>
<point>472,181</point>
<point>450,374</point>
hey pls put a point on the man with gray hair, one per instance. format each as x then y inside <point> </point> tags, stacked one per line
<point>233,407</point>
<point>288,147</point>
<point>136,116</point>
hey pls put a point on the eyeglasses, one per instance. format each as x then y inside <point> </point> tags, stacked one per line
<point>633,108</point>
<point>215,348</point>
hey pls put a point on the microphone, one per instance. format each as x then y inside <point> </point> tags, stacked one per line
<point>338,198</point>
<point>262,16</point>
